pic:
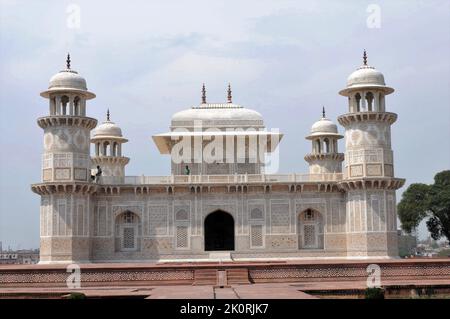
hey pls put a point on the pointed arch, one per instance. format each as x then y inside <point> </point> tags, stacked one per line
<point>76,106</point>
<point>358,102</point>
<point>219,231</point>
<point>64,103</point>
<point>326,145</point>
<point>381,105</point>
<point>370,99</point>
<point>318,146</point>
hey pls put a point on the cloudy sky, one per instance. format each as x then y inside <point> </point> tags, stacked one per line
<point>146,60</point>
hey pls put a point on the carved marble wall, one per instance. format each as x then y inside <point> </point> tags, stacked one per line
<point>172,228</point>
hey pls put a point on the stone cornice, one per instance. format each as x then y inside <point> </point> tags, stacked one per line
<point>110,160</point>
<point>349,118</point>
<point>371,183</point>
<point>327,156</point>
<point>67,120</point>
<point>255,188</point>
<point>84,188</point>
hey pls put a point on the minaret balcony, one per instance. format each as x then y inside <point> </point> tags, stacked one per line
<point>349,118</point>
<point>67,120</point>
<point>102,159</point>
<point>324,156</point>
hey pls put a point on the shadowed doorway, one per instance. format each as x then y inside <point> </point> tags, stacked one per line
<point>219,231</point>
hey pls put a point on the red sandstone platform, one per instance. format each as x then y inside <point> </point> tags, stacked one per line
<point>271,279</point>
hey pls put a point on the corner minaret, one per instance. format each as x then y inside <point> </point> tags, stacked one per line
<point>108,141</point>
<point>66,187</point>
<point>369,169</point>
<point>324,157</point>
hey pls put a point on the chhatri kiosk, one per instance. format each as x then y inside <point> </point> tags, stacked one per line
<point>221,200</point>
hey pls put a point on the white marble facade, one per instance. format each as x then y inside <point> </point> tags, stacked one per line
<point>229,207</point>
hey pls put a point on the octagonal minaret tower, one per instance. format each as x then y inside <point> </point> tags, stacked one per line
<point>369,169</point>
<point>108,141</point>
<point>324,157</point>
<point>66,188</point>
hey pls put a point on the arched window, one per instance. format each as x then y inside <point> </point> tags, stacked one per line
<point>53,106</point>
<point>358,102</point>
<point>64,102</point>
<point>105,148</point>
<point>369,99</point>
<point>115,149</point>
<point>326,145</point>
<point>310,230</point>
<point>318,148</point>
<point>182,215</point>
<point>76,106</point>
<point>256,213</point>
<point>182,229</point>
<point>127,232</point>
<point>381,102</point>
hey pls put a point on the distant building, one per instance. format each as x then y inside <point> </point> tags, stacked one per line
<point>20,257</point>
<point>8,258</point>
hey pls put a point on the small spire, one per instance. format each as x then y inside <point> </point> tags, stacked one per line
<point>107,115</point>
<point>68,61</point>
<point>323,111</point>
<point>365,57</point>
<point>203,94</point>
<point>229,97</point>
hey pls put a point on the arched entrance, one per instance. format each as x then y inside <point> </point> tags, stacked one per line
<point>219,231</point>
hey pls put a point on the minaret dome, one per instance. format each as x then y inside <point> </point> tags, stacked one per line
<point>68,80</point>
<point>366,89</point>
<point>324,156</point>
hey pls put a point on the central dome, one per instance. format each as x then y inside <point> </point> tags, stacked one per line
<point>218,115</point>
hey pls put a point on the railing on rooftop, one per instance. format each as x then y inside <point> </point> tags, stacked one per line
<point>219,179</point>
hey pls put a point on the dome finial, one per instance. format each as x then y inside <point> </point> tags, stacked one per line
<point>68,61</point>
<point>323,111</point>
<point>203,94</point>
<point>365,57</point>
<point>107,115</point>
<point>229,97</point>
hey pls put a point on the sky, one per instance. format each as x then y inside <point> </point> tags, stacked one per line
<point>146,60</point>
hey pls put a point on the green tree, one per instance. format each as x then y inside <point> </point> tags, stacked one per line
<point>76,295</point>
<point>432,201</point>
<point>374,293</point>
